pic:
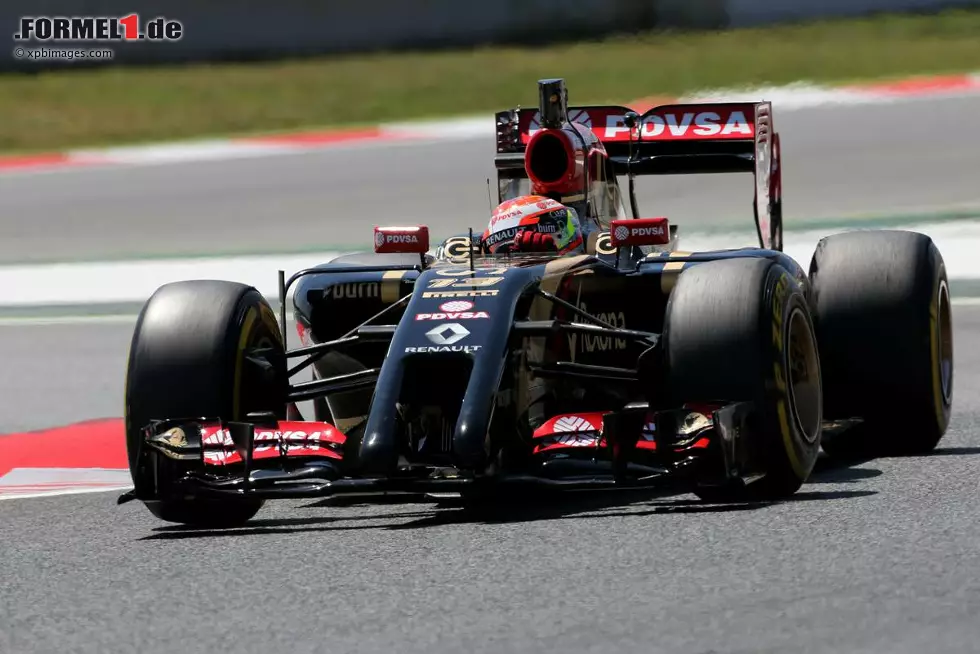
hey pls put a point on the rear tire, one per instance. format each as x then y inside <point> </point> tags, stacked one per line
<point>884,324</point>
<point>203,349</point>
<point>739,330</point>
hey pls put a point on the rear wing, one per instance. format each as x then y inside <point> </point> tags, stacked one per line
<point>666,140</point>
<point>676,139</point>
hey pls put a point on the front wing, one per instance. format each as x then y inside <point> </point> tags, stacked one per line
<point>267,459</point>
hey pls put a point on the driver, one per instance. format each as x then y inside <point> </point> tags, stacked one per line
<point>533,223</point>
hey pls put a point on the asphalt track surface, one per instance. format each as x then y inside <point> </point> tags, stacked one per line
<point>880,556</point>
<point>916,156</point>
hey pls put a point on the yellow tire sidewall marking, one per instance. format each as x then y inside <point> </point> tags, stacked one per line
<point>779,329</point>
<point>243,338</point>
<point>935,354</point>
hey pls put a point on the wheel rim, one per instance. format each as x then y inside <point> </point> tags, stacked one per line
<point>945,325</point>
<point>804,376</point>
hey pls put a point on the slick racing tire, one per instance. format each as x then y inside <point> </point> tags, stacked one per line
<point>739,330</point>
<point>884,325</point>
<point>203,349</point>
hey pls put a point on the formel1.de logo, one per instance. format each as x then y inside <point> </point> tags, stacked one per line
<point>48,29</point>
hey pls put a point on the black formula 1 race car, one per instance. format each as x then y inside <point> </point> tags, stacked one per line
<point>631,365</point>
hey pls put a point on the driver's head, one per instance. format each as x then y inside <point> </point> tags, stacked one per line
<point>533,223</point>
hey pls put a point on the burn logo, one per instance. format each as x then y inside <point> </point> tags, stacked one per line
<point>355,291</point>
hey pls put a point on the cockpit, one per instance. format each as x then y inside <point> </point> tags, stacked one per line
<point>602,205</point>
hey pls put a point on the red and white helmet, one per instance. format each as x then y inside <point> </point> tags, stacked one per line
<point>534,213</point>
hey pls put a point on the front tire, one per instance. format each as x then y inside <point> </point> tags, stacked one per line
<point>203,349</point>
<point>739,330</point>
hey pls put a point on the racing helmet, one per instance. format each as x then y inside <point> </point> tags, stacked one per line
<point>534,213</point>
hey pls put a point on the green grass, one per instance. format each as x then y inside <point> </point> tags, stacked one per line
<point>61,109</point>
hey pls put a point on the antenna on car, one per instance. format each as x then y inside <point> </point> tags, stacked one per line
<point>282,305</point>
<point>471,244</point>
<point>631,120</point>
<point>489,195</point>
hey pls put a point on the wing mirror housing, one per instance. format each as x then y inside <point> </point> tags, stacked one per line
<point>639,231</point>
<point>401,239</point>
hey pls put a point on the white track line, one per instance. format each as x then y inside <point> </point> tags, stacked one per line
<point>22,483</point>
<point>128,282</point>
<point>59,493</point>
<point>90,283</point>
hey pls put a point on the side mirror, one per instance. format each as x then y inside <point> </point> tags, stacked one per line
<point>639,231</point>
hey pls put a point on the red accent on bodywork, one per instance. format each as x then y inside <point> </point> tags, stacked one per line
<point>690,122</point>
<point>700,444</point>
<point>570,423</point>
<point>570,430</point>
<point>401,239</point>
<point>677,122</point>
<point>639,231</point>
<point>571,440</point>
<point>300,439</point>
<point>576,430</point>
<point>554,164</point>
<point>305,334</point>
<point>776,178</point>
<point>764,165</point>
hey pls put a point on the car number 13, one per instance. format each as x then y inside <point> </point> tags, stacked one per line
<point>475,282</point>
<point>469,283</point>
